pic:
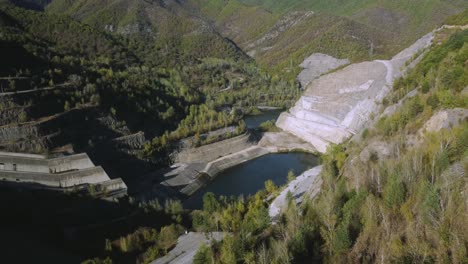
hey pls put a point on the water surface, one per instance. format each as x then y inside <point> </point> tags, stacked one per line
<point>249,177</point>
<point>254,121</point>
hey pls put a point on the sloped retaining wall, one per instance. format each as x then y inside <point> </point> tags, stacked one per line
<point>216,150</point>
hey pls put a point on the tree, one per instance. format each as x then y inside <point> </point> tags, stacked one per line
<point>394,192</point>
<point>203,255</point>
<point>291,176</point>
<point>210,203</point>
<point>270,186</point>
<point>66,107</point>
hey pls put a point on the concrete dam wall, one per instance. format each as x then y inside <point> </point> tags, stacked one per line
<point>216,150</point>
<point>59,174</point>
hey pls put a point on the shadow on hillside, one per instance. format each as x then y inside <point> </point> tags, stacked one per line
<point>50,227</point>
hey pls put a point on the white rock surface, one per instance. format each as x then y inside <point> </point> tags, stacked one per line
<point>308,183</point>
<point>445,119</point>
<point>316,65</point>
<point>337,105</point>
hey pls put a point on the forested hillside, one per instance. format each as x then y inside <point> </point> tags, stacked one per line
<point>396,193</point>
<point>357,30</point>
<point>127,81</point>
<point>278,34</point>
<point>169,89</point>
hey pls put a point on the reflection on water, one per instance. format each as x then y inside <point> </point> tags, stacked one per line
<point>249,177</point>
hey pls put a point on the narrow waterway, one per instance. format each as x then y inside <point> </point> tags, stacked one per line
<point>249,177</point>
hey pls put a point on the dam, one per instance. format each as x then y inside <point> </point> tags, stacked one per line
<point>61,174</point>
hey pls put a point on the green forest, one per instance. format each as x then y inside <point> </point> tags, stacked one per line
<point>182,69</point>
<point>405,208</point>
<point>168,94</point>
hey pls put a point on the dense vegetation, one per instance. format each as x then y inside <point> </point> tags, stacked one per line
<point>406,207</point>
<point>283,33</point>
<point>188,87</point>
<point>176,77</point>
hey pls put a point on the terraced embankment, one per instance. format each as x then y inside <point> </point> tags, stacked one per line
<point>204,163</point>
<point>338,105</point>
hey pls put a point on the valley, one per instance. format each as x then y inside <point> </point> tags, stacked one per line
<point>291,130</point>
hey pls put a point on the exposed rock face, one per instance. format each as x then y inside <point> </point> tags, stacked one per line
<point>446,119</point>
<point>376,150</point>
<point>338,105</point>
<point>443,119</point>
<point>308,183</point>
<point>316,65</point>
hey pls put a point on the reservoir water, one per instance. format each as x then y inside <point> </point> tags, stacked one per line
<point>253,121</point>
<point>249,177</point>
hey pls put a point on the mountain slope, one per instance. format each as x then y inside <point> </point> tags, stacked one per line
<point>65,83</point>
<point>360,29</point>
<point>397,193</point>
<point>278,34</point>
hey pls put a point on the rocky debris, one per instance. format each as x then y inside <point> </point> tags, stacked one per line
<point>377,150</point>
<point>307,184</point>
<point>12,115</point>
<point>114,124</point>
<point>134,141</point>
<point>390,110</point>
<point>11,133</point>
<point>340,104</point>
<point>316,65</point>
<point>129,29</point>
<point>445,119</point>
<point>456,169</point>
<point>187,246</point>
<point>455,172</point>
